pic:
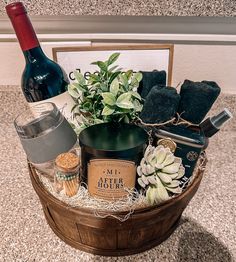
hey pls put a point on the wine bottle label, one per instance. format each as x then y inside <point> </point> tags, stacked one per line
<point>109,178</point>
<point>64,103</point>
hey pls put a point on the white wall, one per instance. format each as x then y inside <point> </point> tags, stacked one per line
<point>194,62</point>
<point>12,61</point>
<point>206,62</point>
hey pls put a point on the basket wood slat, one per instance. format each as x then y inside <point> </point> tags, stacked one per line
<point>145,228</point>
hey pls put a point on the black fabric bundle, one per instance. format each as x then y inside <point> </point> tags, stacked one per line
<point>197,99</point>
<point>151,79</point>
<point>160,105</point>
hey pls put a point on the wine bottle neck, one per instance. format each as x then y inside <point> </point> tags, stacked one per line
<point>34,55</point>
<point>22,26</point>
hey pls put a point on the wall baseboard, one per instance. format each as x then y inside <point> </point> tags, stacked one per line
<point>204,46</point>
<point>161,38</point>
<point>191,30</point>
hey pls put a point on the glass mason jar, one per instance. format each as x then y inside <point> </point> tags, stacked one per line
<point>67,173</point>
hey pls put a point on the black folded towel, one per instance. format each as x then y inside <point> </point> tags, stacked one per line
<point>160,105</point>
<point>151,79</point>
<point>197,99</point>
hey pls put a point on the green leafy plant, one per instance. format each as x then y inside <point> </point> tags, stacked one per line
<point>107,95</point>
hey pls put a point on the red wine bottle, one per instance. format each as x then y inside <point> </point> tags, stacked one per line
<point>42,80</point>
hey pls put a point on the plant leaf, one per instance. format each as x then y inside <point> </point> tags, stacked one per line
<point>139,170</point>
<point>173,176</point>
<point>126,119</point>
<point>123,98</point>
<point>162,194</point>
<point>113,76</point>
<point>151,195</point>
<point>109,98</point>
<point>170,158</point>
<point>152,179</point>
<point>123,110</point>
<point>124,80</point>
<point>170,169</point>
<point>78,86</point>
<point>87,106</point>
<point>103,87</point>
<point>136,95</point>
<point>93,78</point>
<point>128,74</point>
<point>113,68</point>
<point>113,58</point>
<point>173,184</point>
<point>181,172</point>
<point>98,121</point>
<point>107,111</point>
<point>140,181</point>
<point>145,180</point>
<point>134,83</point>
<point>79,77</point>
<point>73,92</point>
<point>176,190</point>
<point>114,87</point>
<point>125,105</point>
<point>138,76</point>
<point>102,65</point>
<point>137,106</point>
<point>164,177</point>
<point>123,101</point>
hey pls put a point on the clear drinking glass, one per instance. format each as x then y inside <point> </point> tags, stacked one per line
<point>44,134</point>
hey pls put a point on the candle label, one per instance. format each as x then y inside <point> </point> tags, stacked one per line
<point>108,178</point>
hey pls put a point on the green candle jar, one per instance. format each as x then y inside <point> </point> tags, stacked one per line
<point>110,153</point>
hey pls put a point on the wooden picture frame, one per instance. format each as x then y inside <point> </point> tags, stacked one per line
<point>65,56</point>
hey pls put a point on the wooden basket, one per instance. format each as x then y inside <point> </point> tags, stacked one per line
<point>108,236</point>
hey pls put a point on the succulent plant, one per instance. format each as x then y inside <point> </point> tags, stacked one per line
<point>158,172</point>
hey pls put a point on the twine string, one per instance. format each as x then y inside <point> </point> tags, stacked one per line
<point>176,121</point>
<point>182,121</point>
<point>171,121</point>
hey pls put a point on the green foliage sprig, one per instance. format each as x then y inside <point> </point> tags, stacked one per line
<point>108,95</point>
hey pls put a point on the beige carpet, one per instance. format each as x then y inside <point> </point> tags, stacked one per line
<point>208,227</point>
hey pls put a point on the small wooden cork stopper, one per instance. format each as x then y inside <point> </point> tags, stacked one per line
<point>67,161</point>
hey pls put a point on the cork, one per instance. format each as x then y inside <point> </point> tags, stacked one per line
<point>67,161</point>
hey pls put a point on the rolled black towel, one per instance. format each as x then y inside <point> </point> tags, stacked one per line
<point>197,99</point>
<point>151,79</point>
<point>160,105</point>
